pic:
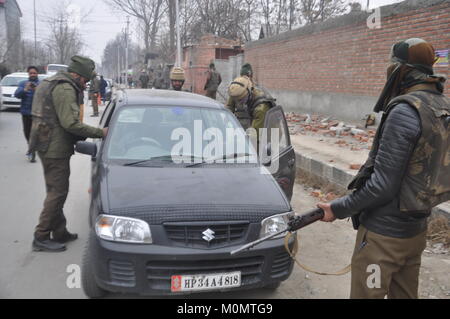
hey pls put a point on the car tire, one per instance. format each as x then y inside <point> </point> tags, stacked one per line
<point>273,286</point>
<point>90,287</point>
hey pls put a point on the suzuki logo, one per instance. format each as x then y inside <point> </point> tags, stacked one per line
<point>208,235</point>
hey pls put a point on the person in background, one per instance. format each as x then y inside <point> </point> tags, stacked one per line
<point>94,91</point>
<point>103,86</point>
<point>213,81</point>
<point>25,92</point>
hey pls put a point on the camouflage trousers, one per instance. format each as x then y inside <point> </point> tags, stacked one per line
<point>386,266</point>
<point>52,219</point>
<point>94,102</point>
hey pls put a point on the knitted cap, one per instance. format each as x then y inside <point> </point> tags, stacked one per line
<point>177,74</point>
<point>82,66</point>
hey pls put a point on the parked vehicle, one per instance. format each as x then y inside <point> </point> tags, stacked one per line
<point>55,68</point>
<point>9,85</point>
<point>160,226</point>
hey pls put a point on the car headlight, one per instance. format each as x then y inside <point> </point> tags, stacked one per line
<point>275,224</point>
<point>123,229</point>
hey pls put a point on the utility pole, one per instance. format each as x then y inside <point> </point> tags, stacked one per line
<point>35,34</point>
<point>177,13</point>
<point>126,47</point>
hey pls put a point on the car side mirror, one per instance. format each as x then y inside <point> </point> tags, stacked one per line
<point>87,148</point>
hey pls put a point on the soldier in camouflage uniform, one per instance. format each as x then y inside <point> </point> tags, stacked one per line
<point>249,103</point>
<point>213,81</point>
<point>56,128</point>
<point>246,72</point>
<point>406,175</point>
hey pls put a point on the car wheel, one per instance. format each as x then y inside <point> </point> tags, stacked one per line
<point>90,287</point>
<point>273,286</point>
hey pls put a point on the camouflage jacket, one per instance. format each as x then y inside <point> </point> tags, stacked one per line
<point>56,117</point>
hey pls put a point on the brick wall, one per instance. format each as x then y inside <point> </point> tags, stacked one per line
<point>344,56</point>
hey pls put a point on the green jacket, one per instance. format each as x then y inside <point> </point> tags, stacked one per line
<point>56,118</point>
<point>256,120</point>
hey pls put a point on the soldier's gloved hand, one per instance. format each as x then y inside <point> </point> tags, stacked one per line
<point>329,215</point>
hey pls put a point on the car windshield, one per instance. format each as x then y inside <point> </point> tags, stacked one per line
<point>177,135</point>
<point>12,80</point>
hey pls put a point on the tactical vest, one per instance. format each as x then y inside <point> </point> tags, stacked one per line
<point>44,114</point>
<point>427,180</point>
<point>260,96</point>
<point>426,183</point>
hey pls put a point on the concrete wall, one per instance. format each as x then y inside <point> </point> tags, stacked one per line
<point>339,67</point>
<point>229,70</point>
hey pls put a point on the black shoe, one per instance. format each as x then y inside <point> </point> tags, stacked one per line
<point>48,245</point>
<point>67,237</point>
<point>33,158</point>
<point>94,115</point>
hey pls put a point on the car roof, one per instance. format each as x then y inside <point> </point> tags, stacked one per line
<point>166,98</point>
<point>18,74</point>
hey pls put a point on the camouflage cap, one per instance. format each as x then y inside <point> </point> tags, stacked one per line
<point>82,66</point>
<point>239,88</point>
<point>177,74</point>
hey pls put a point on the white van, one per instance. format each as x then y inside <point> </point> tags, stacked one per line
<point>55,68</point>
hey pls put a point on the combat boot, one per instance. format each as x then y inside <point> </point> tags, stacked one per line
<point>48,245</point>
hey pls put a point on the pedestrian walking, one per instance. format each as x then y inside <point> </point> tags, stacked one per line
<point>25,92</point>
<point>103,86</point>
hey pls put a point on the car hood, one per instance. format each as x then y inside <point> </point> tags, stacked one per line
<point>9,89</point>
<point>225,188</point>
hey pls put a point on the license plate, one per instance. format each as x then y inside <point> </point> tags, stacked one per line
<point>206,282</point>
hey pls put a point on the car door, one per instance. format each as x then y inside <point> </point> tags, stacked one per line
<point>279,151</point>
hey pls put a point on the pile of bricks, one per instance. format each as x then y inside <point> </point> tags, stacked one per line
<point>347,136</point>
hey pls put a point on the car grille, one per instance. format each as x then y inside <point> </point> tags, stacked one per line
<point>195,235</point>
<point>159,273</point>
<point>122,273</point>
<point>281,265</point>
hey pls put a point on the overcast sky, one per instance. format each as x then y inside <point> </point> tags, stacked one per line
<point>102,24</point>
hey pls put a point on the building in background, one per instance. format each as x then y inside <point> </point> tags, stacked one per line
<point>225,54</point>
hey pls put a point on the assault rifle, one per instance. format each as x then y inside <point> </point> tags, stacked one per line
<point>294,224</point>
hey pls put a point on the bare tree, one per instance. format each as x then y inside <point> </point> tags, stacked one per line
<point>147,12</point>
<point>320,10</point>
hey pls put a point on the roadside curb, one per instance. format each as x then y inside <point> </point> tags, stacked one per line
<point>330,175</point>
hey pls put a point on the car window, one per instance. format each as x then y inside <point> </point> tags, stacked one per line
<point>106,117</point>
<point>275,120</point>
<point>12,80</point>
<point>139,133</point>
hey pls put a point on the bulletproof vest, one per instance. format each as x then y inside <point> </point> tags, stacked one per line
<point>427,180</point>
<point>43,111</point>
<point>214,81</point>
<point>260,96</point>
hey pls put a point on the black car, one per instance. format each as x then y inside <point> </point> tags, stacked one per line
<point>167,208</point>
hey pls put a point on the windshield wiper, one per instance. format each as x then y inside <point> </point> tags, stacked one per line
<point>224,157</point>
<point>158,158</point>
<point>165,158</point>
